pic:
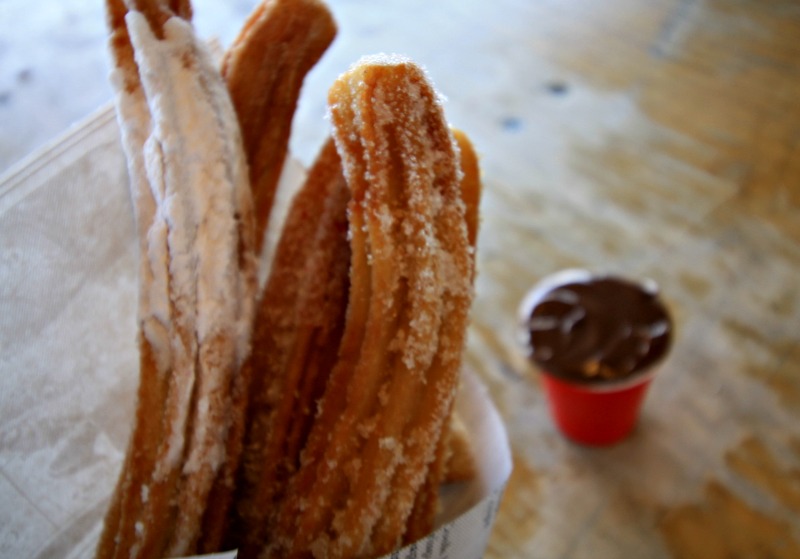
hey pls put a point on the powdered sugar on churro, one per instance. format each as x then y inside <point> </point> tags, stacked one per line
<point>195,163</point>
<point>194,213</point>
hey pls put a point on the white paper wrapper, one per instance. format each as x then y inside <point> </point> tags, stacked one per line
<point>68,362</point>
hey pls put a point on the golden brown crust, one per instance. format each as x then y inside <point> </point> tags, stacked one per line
<point>471,186</point>
<point>264,78</point>
<point>409,245</point>
<point>296,337</point>
<point>422,517</point>
<point>264,69</point>
<point>450,461</point>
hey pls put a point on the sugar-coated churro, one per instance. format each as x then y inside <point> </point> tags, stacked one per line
<point>264,70</point>
<point>414,523</point>
<point>391,392</point>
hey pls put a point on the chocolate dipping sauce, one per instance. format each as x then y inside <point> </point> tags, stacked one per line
<point>592,328</point>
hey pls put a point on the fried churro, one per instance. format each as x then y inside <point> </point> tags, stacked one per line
<point>461,465</point>
<point>264,69</point>
<point>297,335</point>
<point>194,218</point>
<point>391,392</point>
<point>450,462</point>
<point>414,523</point>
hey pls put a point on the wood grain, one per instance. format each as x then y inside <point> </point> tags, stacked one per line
<point>657,139</point>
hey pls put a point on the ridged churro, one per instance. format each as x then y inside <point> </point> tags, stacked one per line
<point>391,392</point>
<point>452,457</point>
<point>264,69</point>
<point>450,452</point>
<point>194,217</point>
<point>295,343</point>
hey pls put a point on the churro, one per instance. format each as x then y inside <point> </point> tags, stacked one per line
<point>264,69</point>
<point>461,465</point>
<point>297,334</point>
<point>391,391</point>
<point>197,274</point>
<point>452,459</point>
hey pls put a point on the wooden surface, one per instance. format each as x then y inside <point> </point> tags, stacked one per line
<point>656,138</point>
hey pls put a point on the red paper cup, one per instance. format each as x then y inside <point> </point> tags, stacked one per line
<point>593,411</point>
<point>595,415</point>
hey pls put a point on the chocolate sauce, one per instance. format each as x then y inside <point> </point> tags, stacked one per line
<point>597,328</point>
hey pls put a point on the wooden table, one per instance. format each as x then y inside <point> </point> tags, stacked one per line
<point>657,139</point>
<point>654,138</point>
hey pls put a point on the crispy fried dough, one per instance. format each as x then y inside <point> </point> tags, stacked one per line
<point>264,69</point>
<point>410,295</point>
<point>197,275</point>
<point>297,334</point>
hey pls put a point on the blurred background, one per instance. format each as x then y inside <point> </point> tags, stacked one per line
<point>656,138</point>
